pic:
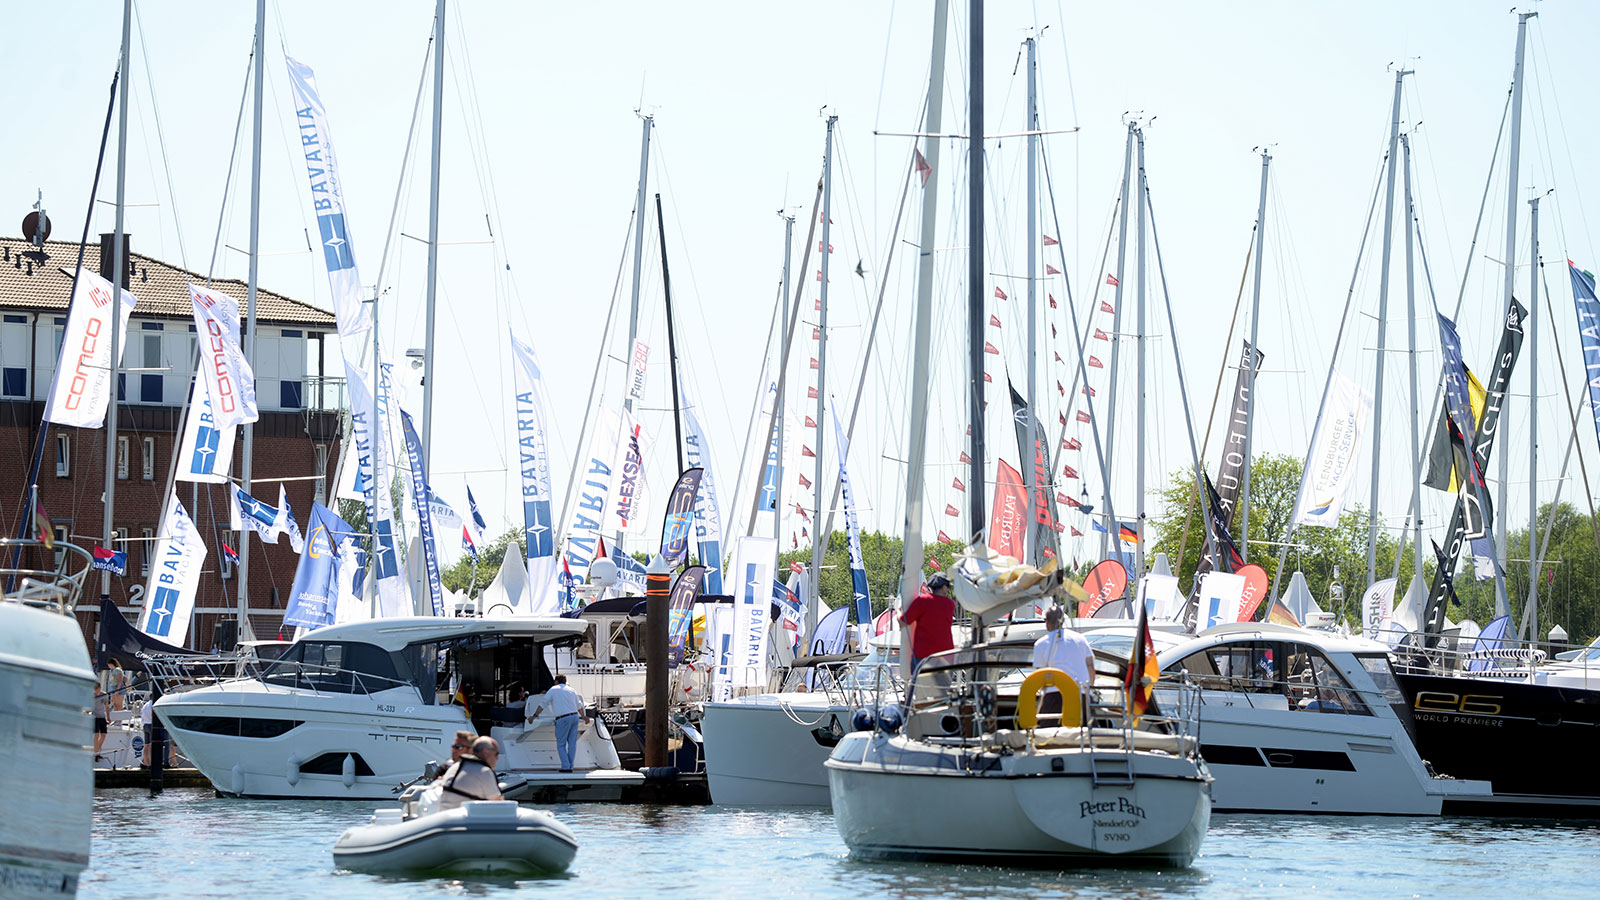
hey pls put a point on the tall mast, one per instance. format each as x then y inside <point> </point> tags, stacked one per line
<point>245,632</point>
<point>119,270</point>
<point>819,541</point>
<point>433,236</point>
<point>1531,623</point>
<point>1030,467</point>
<point>777,402</point>
<point>1383,321</point>
<point>672,341</point>
<point>1502,605</point>
<point>975,299</point>
<point>1116,317</point>
<point>646,123</point>
<point>1139,398</point>
<point>1416,390</point>
<point>1250,357</point>
<point>911,558</point>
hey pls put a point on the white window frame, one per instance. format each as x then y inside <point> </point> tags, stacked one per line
<point>321,463</point>
<point>122,457</point>
<point>149,459</point>
<point>63,456</point>
<point>147,539</point>
<point>62,534</point>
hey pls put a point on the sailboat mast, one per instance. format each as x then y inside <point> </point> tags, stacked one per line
<point>1502,605</point>
<point>777,402</point>
<point>1416,390</point>
<point>1030,453</point>
<point>1383,321</point>
<point>119,269</point>
<point>1531,617</point>
<point>1139,398</point>
<point>1116,319</point>
<point>975,298</point>
<point>911,554</point>
<point>245,632</point>
<point>672,341</point>
<point>1250,356</point>
<point>646,123</point>
<point>819,541</point>
<point>433,237</point>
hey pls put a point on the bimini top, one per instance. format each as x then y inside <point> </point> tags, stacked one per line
<point>1269,631</point>
<point>396,633</point>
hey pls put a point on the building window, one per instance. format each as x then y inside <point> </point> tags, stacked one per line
<point>63,456</point>
<point>60,538</point>
<point>322,474</point>
<point>14,339</point>
<point>150,382</point>
<point>122,458</point>
<point>13,381</point>
<point>290,394</point>
<point>149,459</point>
<point>147,540</point>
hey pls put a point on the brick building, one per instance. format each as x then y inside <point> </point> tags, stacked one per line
<point>296,439</point>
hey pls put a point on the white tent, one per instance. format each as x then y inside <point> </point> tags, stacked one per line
<point>506,594</point>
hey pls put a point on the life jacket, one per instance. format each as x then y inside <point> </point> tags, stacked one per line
<point>449,781</point>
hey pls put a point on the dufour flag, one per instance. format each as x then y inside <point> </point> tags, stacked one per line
<point>206,452</point>
<point>680,605</point>
<point>113,561</point>
<point>81,390</point>
<point>327,199</point>
<point>286,524</point>
<point>858,568</point>
<point>174,576</point>
<point>1335,453</point>
<point>230,383</point>
<point>1583,296</point>
<point>707,514</point>
<point>678,523</point>
<point>314,598</point>
<point>534,461</point>
<point>419,490</point>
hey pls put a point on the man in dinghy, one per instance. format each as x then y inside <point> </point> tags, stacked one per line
<point>472,776</point>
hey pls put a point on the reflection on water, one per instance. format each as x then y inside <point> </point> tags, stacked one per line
<point>191,844</point>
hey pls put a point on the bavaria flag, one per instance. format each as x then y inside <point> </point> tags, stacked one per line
<point>113,561</point>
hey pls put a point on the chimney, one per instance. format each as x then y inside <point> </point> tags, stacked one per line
<point>108,243</point>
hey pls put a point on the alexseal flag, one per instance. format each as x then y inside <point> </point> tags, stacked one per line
<point>858,569</point>
<point>707,513</point>
<point>678,523</point>
<point>81,390</point>
<point>681,606</point>
<point>1335,453</point>
<point>593,494</point>
<point>419,491</point>
<point>534,462</point>
<point>1583,297</point>
<point>314,598</point>
<point>174,575</point>
<point>113,561</point>
<point>628,501</point>
<point>206,452</point>
<point>751,579</point>
<point>327,199</point>
<point>285,522</point>
<point>230,383</point>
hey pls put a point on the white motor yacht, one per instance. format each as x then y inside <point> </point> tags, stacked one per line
<point>46,691</point>
<point>356,710</point>
<point>971,775</point>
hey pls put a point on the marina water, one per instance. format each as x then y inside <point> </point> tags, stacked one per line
<point>189,843</point>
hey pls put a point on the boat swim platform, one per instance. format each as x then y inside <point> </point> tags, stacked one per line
<point>140,777</point>
<point>613,786</point>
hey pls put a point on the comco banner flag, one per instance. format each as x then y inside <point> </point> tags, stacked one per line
<point>229,381</point>
<point>81,390</point>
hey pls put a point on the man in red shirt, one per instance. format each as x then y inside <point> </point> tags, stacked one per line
<point>928,621</point>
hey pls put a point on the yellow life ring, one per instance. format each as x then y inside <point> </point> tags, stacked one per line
<point>1035,683</point>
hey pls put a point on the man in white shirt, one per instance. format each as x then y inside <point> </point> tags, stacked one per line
<point>1064,649</point>
<point>566,705</point>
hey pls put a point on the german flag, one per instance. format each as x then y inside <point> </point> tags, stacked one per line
<point>1143,671</point>
<point>1127,533</point>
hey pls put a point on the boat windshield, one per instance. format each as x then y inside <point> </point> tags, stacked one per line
<point>344,667</point>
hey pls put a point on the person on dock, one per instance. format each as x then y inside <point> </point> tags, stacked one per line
<point>567,705</point>
<point>116,684</point>
<point>1062,648</point>
<point>101,714</point>
<point>472,776</point>
<point>929,620</point>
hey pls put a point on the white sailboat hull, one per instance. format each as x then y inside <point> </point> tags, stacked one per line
<point>769,749</point>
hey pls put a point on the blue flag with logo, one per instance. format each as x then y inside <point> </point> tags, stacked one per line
<point>315,594</point>
<point>534,462</point>
<point>477,517</point>
<point>419,491</point>
<point>1583,296</point>
<point>858,568</point>
<point>678,523</point>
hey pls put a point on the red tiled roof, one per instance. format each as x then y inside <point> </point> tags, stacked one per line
<point>41,279</point>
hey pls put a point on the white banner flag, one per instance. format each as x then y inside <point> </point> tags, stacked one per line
<point>751,579</point>
<point>636,370</point>
<point>81,390</point>
<point>586,526</point>
<point>628,509</point>
<point>534,462</point>
<point>1377,607</point>
<point>174,575</point>
<point>1335,453</point>
<point>327,200</point>
<point>206,452</point>
<point>373,480</point>
<point>230,383</point>
<point>707,513</point>
<point>1220,595</point>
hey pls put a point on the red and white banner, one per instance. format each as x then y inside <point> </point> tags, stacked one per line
<point>1008,518</point>
<point>229,380</point>
<point>82,388</point>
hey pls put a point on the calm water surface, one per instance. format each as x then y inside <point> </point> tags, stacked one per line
<point>190,844</point>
